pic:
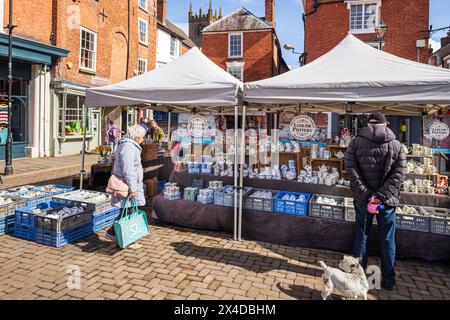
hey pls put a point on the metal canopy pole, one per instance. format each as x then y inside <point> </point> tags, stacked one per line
<point>83,151</point>
<point>235,225</point>
<point>169,128</point>
<point>241,182</point>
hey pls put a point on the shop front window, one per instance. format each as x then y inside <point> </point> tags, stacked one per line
<point>71,115</point>
<point>19,107</point>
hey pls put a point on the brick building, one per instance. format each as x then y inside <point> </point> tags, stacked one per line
<point>328,22</point>
<point>441,58</point>
<point>87,43</point>
<point>245,45</point>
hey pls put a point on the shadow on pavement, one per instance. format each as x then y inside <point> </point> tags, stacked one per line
<point>94,244</point>
<point>247,260</point>
<point>302,292</point>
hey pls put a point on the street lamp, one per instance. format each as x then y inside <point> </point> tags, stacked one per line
<point>381,31</point>
<point>8,146</point>
<point>302,58</point>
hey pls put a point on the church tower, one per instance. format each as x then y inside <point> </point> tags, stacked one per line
<point>199,21</point>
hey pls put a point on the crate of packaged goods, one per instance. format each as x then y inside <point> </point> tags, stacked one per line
<point>104,219</point>
<point>26,216</point>
<point>8,204</point>
<point>59,239</point>
<point>54,189</point>
<point>171,191</point>
<point>260,200</point>
<point>194,167</point>
<point>292,203</point>
<point>413,218</point>
<point>206,196</point>
<point>330,207</point>
<point>215,185</point>
<point>225,196</point>
<point>21,188</point>
<point>190,194</point>
<point>31,196</point>
<point>64,218</point>
<point>6,224</point>
<point>97,201</point>
<point>439,220</point>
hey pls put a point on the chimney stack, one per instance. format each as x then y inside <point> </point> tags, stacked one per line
<point>161,11</point>
<point>270,12</point>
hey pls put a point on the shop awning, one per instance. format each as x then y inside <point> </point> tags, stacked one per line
<point>31,51</point>
<point>357,73</point>
<point>191,80</point>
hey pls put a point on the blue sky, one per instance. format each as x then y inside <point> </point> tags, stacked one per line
<point>288,16</point>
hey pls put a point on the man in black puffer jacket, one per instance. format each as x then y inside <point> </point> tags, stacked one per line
<point>376,166</point>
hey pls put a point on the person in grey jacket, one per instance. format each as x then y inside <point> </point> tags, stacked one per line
<point>128,166</point>
<point>376,166</point>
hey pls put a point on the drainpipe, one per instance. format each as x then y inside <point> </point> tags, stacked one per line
<point>128,39</point>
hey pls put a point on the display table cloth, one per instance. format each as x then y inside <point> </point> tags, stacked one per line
<point>292,230</point>
<point>99,176</point>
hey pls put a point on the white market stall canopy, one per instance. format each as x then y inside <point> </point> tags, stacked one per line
<point>357,73</point>
<point>191,80</point>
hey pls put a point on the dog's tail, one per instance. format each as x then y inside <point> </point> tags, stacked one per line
<point>323,265</point>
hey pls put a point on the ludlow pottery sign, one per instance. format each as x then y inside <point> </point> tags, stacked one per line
<point>302,127</point>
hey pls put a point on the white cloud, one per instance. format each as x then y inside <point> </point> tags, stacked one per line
<point>436,45</point>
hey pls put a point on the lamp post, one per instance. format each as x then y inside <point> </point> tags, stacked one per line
<point>381,31</point>
<point>302,58</point>
<point>8,146</point>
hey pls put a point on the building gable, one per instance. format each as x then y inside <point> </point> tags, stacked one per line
<point>241,19</point>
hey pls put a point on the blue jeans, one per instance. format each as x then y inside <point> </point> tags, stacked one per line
<point>386,225</point>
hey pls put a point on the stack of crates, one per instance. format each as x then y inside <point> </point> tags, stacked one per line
<point>98,202</point>
<point>9,204</point>
<point>40,223</point>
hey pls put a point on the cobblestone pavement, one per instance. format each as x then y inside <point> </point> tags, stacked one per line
<point>27,171</point>
<point>176,263</point>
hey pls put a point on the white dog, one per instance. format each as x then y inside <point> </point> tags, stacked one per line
<point>350,281</point>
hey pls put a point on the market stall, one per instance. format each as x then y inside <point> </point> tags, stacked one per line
<point>351,78</point>
<point>192,84</point>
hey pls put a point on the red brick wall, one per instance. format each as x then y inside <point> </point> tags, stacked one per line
<point>32,18</point>
<point>405,18</point>
<point>37,19</point>
<point>258,53</point>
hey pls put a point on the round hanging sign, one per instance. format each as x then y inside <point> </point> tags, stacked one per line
<point>302,127</point>
<point>197,126</point>
<point>439,131</point>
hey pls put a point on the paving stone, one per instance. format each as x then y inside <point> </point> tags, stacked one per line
<point>207,265</point>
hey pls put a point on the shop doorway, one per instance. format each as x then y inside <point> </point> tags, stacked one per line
<point>96,127</point>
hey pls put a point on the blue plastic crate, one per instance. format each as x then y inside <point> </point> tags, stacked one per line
<point>161,184</point>
<point>59,239</point>
<point>6,225</point>
<point>105,219</point>
<point>24,232</point>
<point>35,200</point>
<point>61,189</point>
<point>25,216</point>
<point>292,207</point>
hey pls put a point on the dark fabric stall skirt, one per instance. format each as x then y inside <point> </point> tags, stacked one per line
<point>295,231</point>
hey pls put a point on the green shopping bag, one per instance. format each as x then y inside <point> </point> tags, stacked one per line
<point>131,227</point>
